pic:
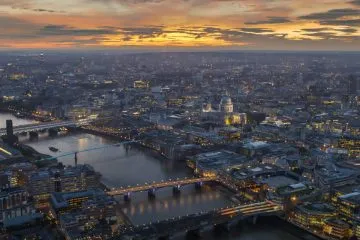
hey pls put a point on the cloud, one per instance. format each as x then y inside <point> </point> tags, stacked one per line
<point>355,2</point>
<point>332,36</point>
<point>7,23</point>
<point>45,10</point>
<point>347,22</point>
<point>322,35</point>
<point>344,34</point>
<point>316,29</point>
<point>331,14</point>
<point>327,29</point>
<point>270,20</point>
<point>336,17</point>
<point>129,1</point>
<point>254,23</point>
<point>58,30</point>
<point>16,3</point>
<point>257,30</point>
<point>348,30</point>
<point>26,5</point>
<point>142,32</point>
<point>240,35</point>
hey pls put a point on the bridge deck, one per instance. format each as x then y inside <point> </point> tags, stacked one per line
<point>42,125</point>
<point>122,191</point>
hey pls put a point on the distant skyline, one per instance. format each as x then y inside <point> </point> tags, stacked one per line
<point>181,24</point>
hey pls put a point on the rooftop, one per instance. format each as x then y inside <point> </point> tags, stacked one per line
<point>353,197</point>
<point>317,208</point>
<point>264,172</point>
<point>60,199</point>
<point>256,145</point>
<point>278,181</point>
<point>219,159</point>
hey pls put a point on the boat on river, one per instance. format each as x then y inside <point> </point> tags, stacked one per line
<point>53,149</point>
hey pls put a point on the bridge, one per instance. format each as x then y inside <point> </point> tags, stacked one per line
<point>251,209</point>
<point>93,148</point>
<point>203,221</point>
<point>45,125</point>
<point>151,187</point>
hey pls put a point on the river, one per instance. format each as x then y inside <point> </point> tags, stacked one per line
<point>122,168</point>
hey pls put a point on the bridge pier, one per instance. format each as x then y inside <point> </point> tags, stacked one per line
<point>127,197</point>
<point>42,130</point>
<point>151,193</point>
<point>76,159</point>
<point>176,190</point>
<point>165,237</point>
<point>198,185</point>
<point>193,234</point>
<point>221,228</point>
<point>34,135</point>
<point>127,147</point>
<point>53,131</point>
<point>24,133</point>
<point>254,219</point>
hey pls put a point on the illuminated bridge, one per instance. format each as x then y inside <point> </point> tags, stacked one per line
<point>203,221</point>
<point>251,209</point>
<point>151,187</point>
<point>45,125</point>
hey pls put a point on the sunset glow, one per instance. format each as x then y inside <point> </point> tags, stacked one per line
<point>248,24</point>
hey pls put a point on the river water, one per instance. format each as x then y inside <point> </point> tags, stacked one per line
<point>123,168</point>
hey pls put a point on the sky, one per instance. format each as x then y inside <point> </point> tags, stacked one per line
<point>181,24</point>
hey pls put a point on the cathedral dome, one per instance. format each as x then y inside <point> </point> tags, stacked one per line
<point>226,105</point>
<point>225,100</point>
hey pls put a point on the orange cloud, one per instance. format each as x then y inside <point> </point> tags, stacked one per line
<point>256,24</point>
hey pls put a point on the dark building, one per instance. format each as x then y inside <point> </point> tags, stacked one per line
<point>9,128</point>
<point>10,138</point>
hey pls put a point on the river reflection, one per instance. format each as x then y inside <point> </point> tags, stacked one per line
<point>166,206</point>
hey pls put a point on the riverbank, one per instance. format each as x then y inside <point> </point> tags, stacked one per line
<point>290,227</point>
<point>312,232</point>
<point>132,143</point>
<point>25,115</point>
<point>39,159</point>
<point>266,228</point>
